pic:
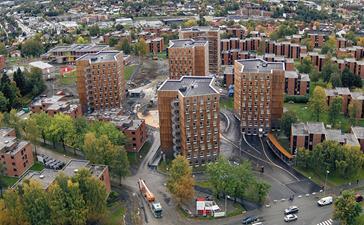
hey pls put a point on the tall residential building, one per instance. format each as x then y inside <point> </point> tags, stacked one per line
<point>100,80</point>
<point>258,94</point>
<point>188,57</point>
<point>212,35</point>
<point>189,119</point>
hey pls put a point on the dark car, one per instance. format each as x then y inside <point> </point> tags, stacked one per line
<point>249,220</point>
<point>291,210</point>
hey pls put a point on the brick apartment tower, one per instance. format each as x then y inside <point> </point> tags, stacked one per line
<point>100,80</point>
<point>212,35</point>
<point>189,119</point>
<point>258,94</point>
<point>188,57</point>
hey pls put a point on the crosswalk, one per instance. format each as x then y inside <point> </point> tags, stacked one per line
<point>327,222</point>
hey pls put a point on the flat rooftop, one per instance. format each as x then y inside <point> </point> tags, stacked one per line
<point>190,86</point>
<point>103,56</point>
<point>184,43</point>
<point>200,29</point>
<point>79,48</point>
<point>259,65</point>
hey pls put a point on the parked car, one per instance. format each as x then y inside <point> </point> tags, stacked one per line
<point>249,220</point>
<point>290,217</point>
<point>358,198</point>
<point>259,223</point>
<point>291,210</point>
<point>325,201</point>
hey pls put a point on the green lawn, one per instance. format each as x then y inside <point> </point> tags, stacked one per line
<point>204,184</point>
<point>134,158</point>
<point>37,166</point>
<point>116,212</point>
<point>332,180</point>
<point>68,79</point>
<point>304,115</point>
<point>9,181</point>
<point>227,103</point>
<point>128,71</point>
<point>360,219</point>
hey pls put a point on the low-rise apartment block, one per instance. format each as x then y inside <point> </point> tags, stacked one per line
<point>47,177</point>
<point>307,135</point>
<point>296,83</point>
<point>347,97</point>
<point>359,135</point>
<point>2,63</point>
<point>210,34</point>
<point>100,80</point>
<point>56,104</point>
<point>69,53</point>
<point>258,94</point>
<point>189,119</point>
<point>15,155</point>
<point>155,45</point>
<point>188,58</point>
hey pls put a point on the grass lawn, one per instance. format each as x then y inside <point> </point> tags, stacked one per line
<point>360,219</point>
<point>9,181</point>
<point>37,166</point>
<point>134,158</point>
<point>68,79</point>
<point>238,209</point>
<point>227,103</point>
<point>116,212</point>
<point>332,180</point>
<point>204,184</point>
<point>162,55</point>
<point>128,71</point>
<point>304,115</point>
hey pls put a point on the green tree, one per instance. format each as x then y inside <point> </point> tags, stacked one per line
<point>180,181</point>
<point>305,66</point>
<point>58,205</point>
<point>81,40</point>
<point>77,210</point>
<point>336,80</point>
<point>61,129</point>
<point>94,194</point>
<point>219,174</point>
<point>287,120</point>
<point>124,46</point>
<point>35,203</point>
<point>262,190</point>
<point>113,41</point>
<point>12,209</point>
<point>346,209</point>
<point>94,30</point>
<point>32,47</point>
<point>105,128</point>
<point>189,23</point>
<point>4,103</point>
<point>99,150</point>
<point>353,110</point>
<point>81,126</point>
<point>335,109</point>
<point>43,122</point>
<point>350,80</point>
<point>317,103</point>
<point>37,85</point>
<point>329,69</point>
<point>302,158</point>
<point>31,132</point>
<point>20,81</point>
<point>120,166</point>
<point>3,49</point>
<point>329,45</point>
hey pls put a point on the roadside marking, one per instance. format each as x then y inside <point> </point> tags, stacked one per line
<point>326,222</point>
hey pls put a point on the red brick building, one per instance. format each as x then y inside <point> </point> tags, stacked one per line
<point>296,83</point>
<point>136,132</point>
<point>155,45</point>
<point>2,63</point>
<point>16,155</point>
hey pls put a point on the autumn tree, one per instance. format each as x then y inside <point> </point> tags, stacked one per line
<point>61,129</point>
<point>180,181</point>
<point>43,121</point>
<point>346,209</point>
<point>329,45</point>
<point>12,209</point>
<point>354,110</point>
<point>317,103</point>
<point>335,109</point>
<point>32,47</point>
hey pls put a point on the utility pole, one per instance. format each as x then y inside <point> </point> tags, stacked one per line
<point>327,173</point>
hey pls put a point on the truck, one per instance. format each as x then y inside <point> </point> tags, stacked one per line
<point>149,197</point>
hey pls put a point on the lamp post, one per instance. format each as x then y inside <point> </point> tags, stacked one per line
<point>327,173</point>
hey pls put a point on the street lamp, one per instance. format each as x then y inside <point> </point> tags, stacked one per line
<point>327,173</point>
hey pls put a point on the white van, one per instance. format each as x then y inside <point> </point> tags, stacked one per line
<point>325,201</point>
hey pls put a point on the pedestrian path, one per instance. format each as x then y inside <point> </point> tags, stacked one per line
<point>327,222</point>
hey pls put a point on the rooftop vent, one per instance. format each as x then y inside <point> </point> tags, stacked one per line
<point>183,89</point>
<point>41,176</point>
<point>75,170</point>
<point>6,142</point>
<point>264,64</point>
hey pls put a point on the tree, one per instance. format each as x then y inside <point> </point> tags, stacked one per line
<point>35,203</point>
<point>3,49</point>
<point>317,103</point>
<point>113,41</point>
<point>61,129</point>
<point>36,81</point>
<point>219,175</point>
<point>350,80</point>
<point>20,81</point>
<point>81,40</point>
<point>346,209</point>
<point>353,110</point>
<point>12,209</point>
<point>141,48</point>
<point>302,158</point>
<point>328,69</point>
<point>360,41</point>
<point>180,181</point>
<point>31,132</point>
<point>4,103</point>
<point>57,205</point>
<point>262,190</point>
<point>336,80</point>
<point>81,126</point>
<point>94,30</point>
<point>189,23</point>
<point>120,165</point>
<point>105,128</point>
<point>94,194</point>
<point>305,66</point>
<point>32,47</point>
<point>124,46</point>
<point>43,122</point>
<point>287,120</point>
<point>335,109</point>
<point>77,210</point>
<point>329,45</point>
<point>99,150</point>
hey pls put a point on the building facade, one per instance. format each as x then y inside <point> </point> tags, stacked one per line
<point>16,155</point>
<point>189,119</point>
<point>296,83</point>
<point>100,80</point>
<point>2,63</point>
<point>258,94</point>
<point>212,35</point>
<point>188,58</point>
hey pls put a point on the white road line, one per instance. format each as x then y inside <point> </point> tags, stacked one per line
<point>251,146</point>
<point>326,222</point>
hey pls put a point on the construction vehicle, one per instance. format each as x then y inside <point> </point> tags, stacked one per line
<point>149,197</point>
